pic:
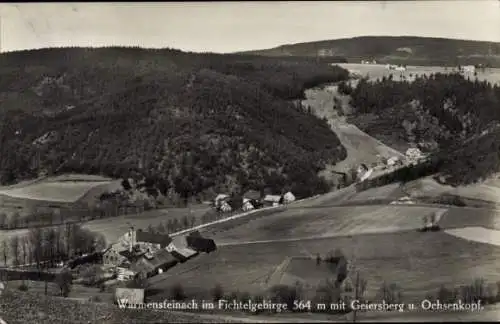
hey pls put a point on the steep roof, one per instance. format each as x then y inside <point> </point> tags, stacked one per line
<point>272,198</point>
<point>154,238</point>
<point>160,258</point>
<point>252,194</point>
<point>181,248</point>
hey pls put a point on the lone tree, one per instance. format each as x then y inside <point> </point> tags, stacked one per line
<point>64,281</point>
<point>217,292</point>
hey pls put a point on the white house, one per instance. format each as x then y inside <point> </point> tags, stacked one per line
<point>468,69</point>
<point>288,197</point>
<point>413,154</point>
<point>273,200</point>
<point>247,205</point>
<point>225,207</point>
<point>366,175</point>
<point>392,161</point>
<point>124,274</point>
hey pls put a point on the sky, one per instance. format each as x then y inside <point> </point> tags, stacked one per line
<point>237,26</point>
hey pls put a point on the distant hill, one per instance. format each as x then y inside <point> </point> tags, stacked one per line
<point>192,124</point>
<point>395,50</point>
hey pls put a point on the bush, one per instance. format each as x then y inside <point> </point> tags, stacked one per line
<point>285,294</point>
<point>328,293</point>
<point>23,287</point>
<point>391,293</point>
<point>450,200</point>
<point>177,292</point>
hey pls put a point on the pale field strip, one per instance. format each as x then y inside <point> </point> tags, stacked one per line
<point>477,234</point>
<point>64,188</point>
<point>310,224</point>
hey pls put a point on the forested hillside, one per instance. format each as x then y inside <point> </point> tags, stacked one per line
<point>190,123</point>
<point>396,50</point>
<point>447,113</point>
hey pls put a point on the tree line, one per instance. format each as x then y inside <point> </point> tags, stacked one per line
<point>42,246</point>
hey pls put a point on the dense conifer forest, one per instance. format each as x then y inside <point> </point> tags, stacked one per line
<point>190,123</point>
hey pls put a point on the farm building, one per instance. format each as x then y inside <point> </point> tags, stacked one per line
<point>150,265</point>
<point>392,161</point>
<point>272,200</point>
<point>362,169</point>
<point>225,207</point>
<point>413,154</point>
<point>145,240</point>
<point>112,257</point>
<point>199,243</point>
<point>247,205</point>
<point>220,198</point>
<point>467,69</point>
<point>180,249</point>
<point>252,195</point>
<point>288,197</point>
<point>124,274</point>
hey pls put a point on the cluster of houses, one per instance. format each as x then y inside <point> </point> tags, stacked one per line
<point>251,200</point>
<point>395,67</point>
<point>142,254</point>
<point>368,62</point>
<point>412,156</point>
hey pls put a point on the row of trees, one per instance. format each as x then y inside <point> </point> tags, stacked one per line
<point>43,246</point>
<point>64,215</point>
<point>173,225</point>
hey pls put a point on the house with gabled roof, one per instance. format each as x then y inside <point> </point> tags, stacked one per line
<point>150,265</point>
<point>180,249</point>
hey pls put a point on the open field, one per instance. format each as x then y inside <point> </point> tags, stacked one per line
<point>377,71</point>
<point>428,187</point>
<point>66,189</point>
<point>63,191</point>
<point>417,262</point>
<point>361,147</point>
<point>296,223</point>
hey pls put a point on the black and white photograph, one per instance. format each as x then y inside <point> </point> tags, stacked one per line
<point>249,162</point>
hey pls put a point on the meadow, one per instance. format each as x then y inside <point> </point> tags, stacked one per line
<point>296,223</point>
<point>65,189</point>
<point>419,263</point>
<point>488,190</point>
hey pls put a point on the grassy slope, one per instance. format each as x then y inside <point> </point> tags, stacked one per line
<point>424,50</point>
<point>360,147</point>
<point>417,262</point>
